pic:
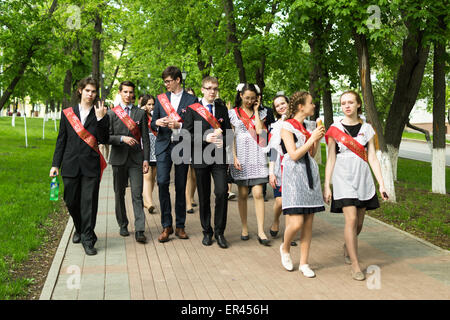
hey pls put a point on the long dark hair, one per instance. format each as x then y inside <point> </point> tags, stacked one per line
<point>146,98</point>
<point>246,87</point>
<point>275,112</point>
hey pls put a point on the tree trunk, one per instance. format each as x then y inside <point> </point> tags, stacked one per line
<point>327,101</point>
<point>371,111</point>
<point>407,86</point>
<point>8,92</point>
<point>67,89</point>
<point>116,71</point>
<point>96,48</point>
<point>316,71</point>
<point>233,41</point>
<point>439,129</point>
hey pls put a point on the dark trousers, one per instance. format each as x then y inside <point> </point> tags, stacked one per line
<point>163,168</point>
<point>121,174</point>
<point>203,177</point>
<point>81,198</point>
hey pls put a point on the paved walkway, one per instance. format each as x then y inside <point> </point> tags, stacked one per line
<point>185,269</point>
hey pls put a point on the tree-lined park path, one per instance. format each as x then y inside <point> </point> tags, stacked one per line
<point>405,267</point>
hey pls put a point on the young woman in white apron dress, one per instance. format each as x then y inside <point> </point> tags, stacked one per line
<point>250,160</point>
<point>300,182</point>
<point>353,187</point>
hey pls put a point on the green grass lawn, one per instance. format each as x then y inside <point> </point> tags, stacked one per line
<point>24,205</point>
<point>418,136</point>
<point>417,210</point>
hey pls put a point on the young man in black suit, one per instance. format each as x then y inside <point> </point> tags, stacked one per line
<point>80,160</point>
<point>128,128</point>
<point>209,158</point>
<point>168,114</point>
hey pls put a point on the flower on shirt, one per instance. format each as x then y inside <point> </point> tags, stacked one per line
<point>137,122</point>
<point>183,110</point>
<point>220,120</point>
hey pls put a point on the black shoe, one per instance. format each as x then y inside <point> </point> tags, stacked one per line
<point>124,232</point>
<point>76,238</point>
<point>221,241</point>
<point>273,233</point>
<point>293,243</point>
<point>190,211</point>
<point>245,238</point>
<point>89,249</point>
<point>264,242</point>
<point>207,239</point>
<point>194,204</point>
<point>140,237</point>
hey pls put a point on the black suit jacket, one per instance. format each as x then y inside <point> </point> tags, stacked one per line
<point>164,134</point>
<point>120,151</point>
<point>72,154</point>
<point>199,138</point>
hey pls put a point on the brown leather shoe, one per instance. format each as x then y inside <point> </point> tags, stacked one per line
<point>180,233</point>
<point>164,236</point>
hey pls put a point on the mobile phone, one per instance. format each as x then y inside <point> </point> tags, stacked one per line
<point>385,195</point>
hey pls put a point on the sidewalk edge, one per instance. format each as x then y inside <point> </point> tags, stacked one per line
<point>53,273</point>
<point>409,235</point>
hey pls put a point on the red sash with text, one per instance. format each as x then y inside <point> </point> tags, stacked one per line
<point>347,141</point>
<point>205,114</point>
<point>251,128</point>
<point>128,122</point>
<point>150,127</point>
<point>85,135</point>
<point>168,108</point>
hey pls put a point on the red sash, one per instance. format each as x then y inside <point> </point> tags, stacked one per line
<point>128,122</point>
<point>297,125</point>
<point>85,135</point>
<point>150,127</point>
<point>167,106</point>
<point>347,141</point>
<point>251,128</point>
<point>205,114</point>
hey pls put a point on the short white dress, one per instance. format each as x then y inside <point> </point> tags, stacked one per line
<point>298,197</point>
<point>352,179</point>
<point>252,157</point>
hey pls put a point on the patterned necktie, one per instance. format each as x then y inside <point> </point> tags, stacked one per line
<point>127,110</point>
<point>210,106</point>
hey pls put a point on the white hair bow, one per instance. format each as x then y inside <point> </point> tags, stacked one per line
<point>240,86</point>
<point>257,89</point>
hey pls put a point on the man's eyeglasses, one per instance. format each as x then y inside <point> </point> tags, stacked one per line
<point>168,81</point>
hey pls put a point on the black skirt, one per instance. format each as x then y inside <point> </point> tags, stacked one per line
<point>303,210</point>
<point>371,204</point>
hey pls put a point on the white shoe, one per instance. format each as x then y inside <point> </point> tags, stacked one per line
<point>306,270</point>
<point>286,260</point>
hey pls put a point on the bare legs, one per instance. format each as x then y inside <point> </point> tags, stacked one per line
<point>258,199</point>
<point>190,188</point>
<point>276,214</point>
<point>354,219</point>
<point>149,183</point>
<point>302,223</point>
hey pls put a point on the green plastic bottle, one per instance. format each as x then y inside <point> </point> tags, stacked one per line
<point>54,189</point>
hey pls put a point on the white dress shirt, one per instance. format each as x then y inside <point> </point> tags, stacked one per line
<point>84,114</point>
